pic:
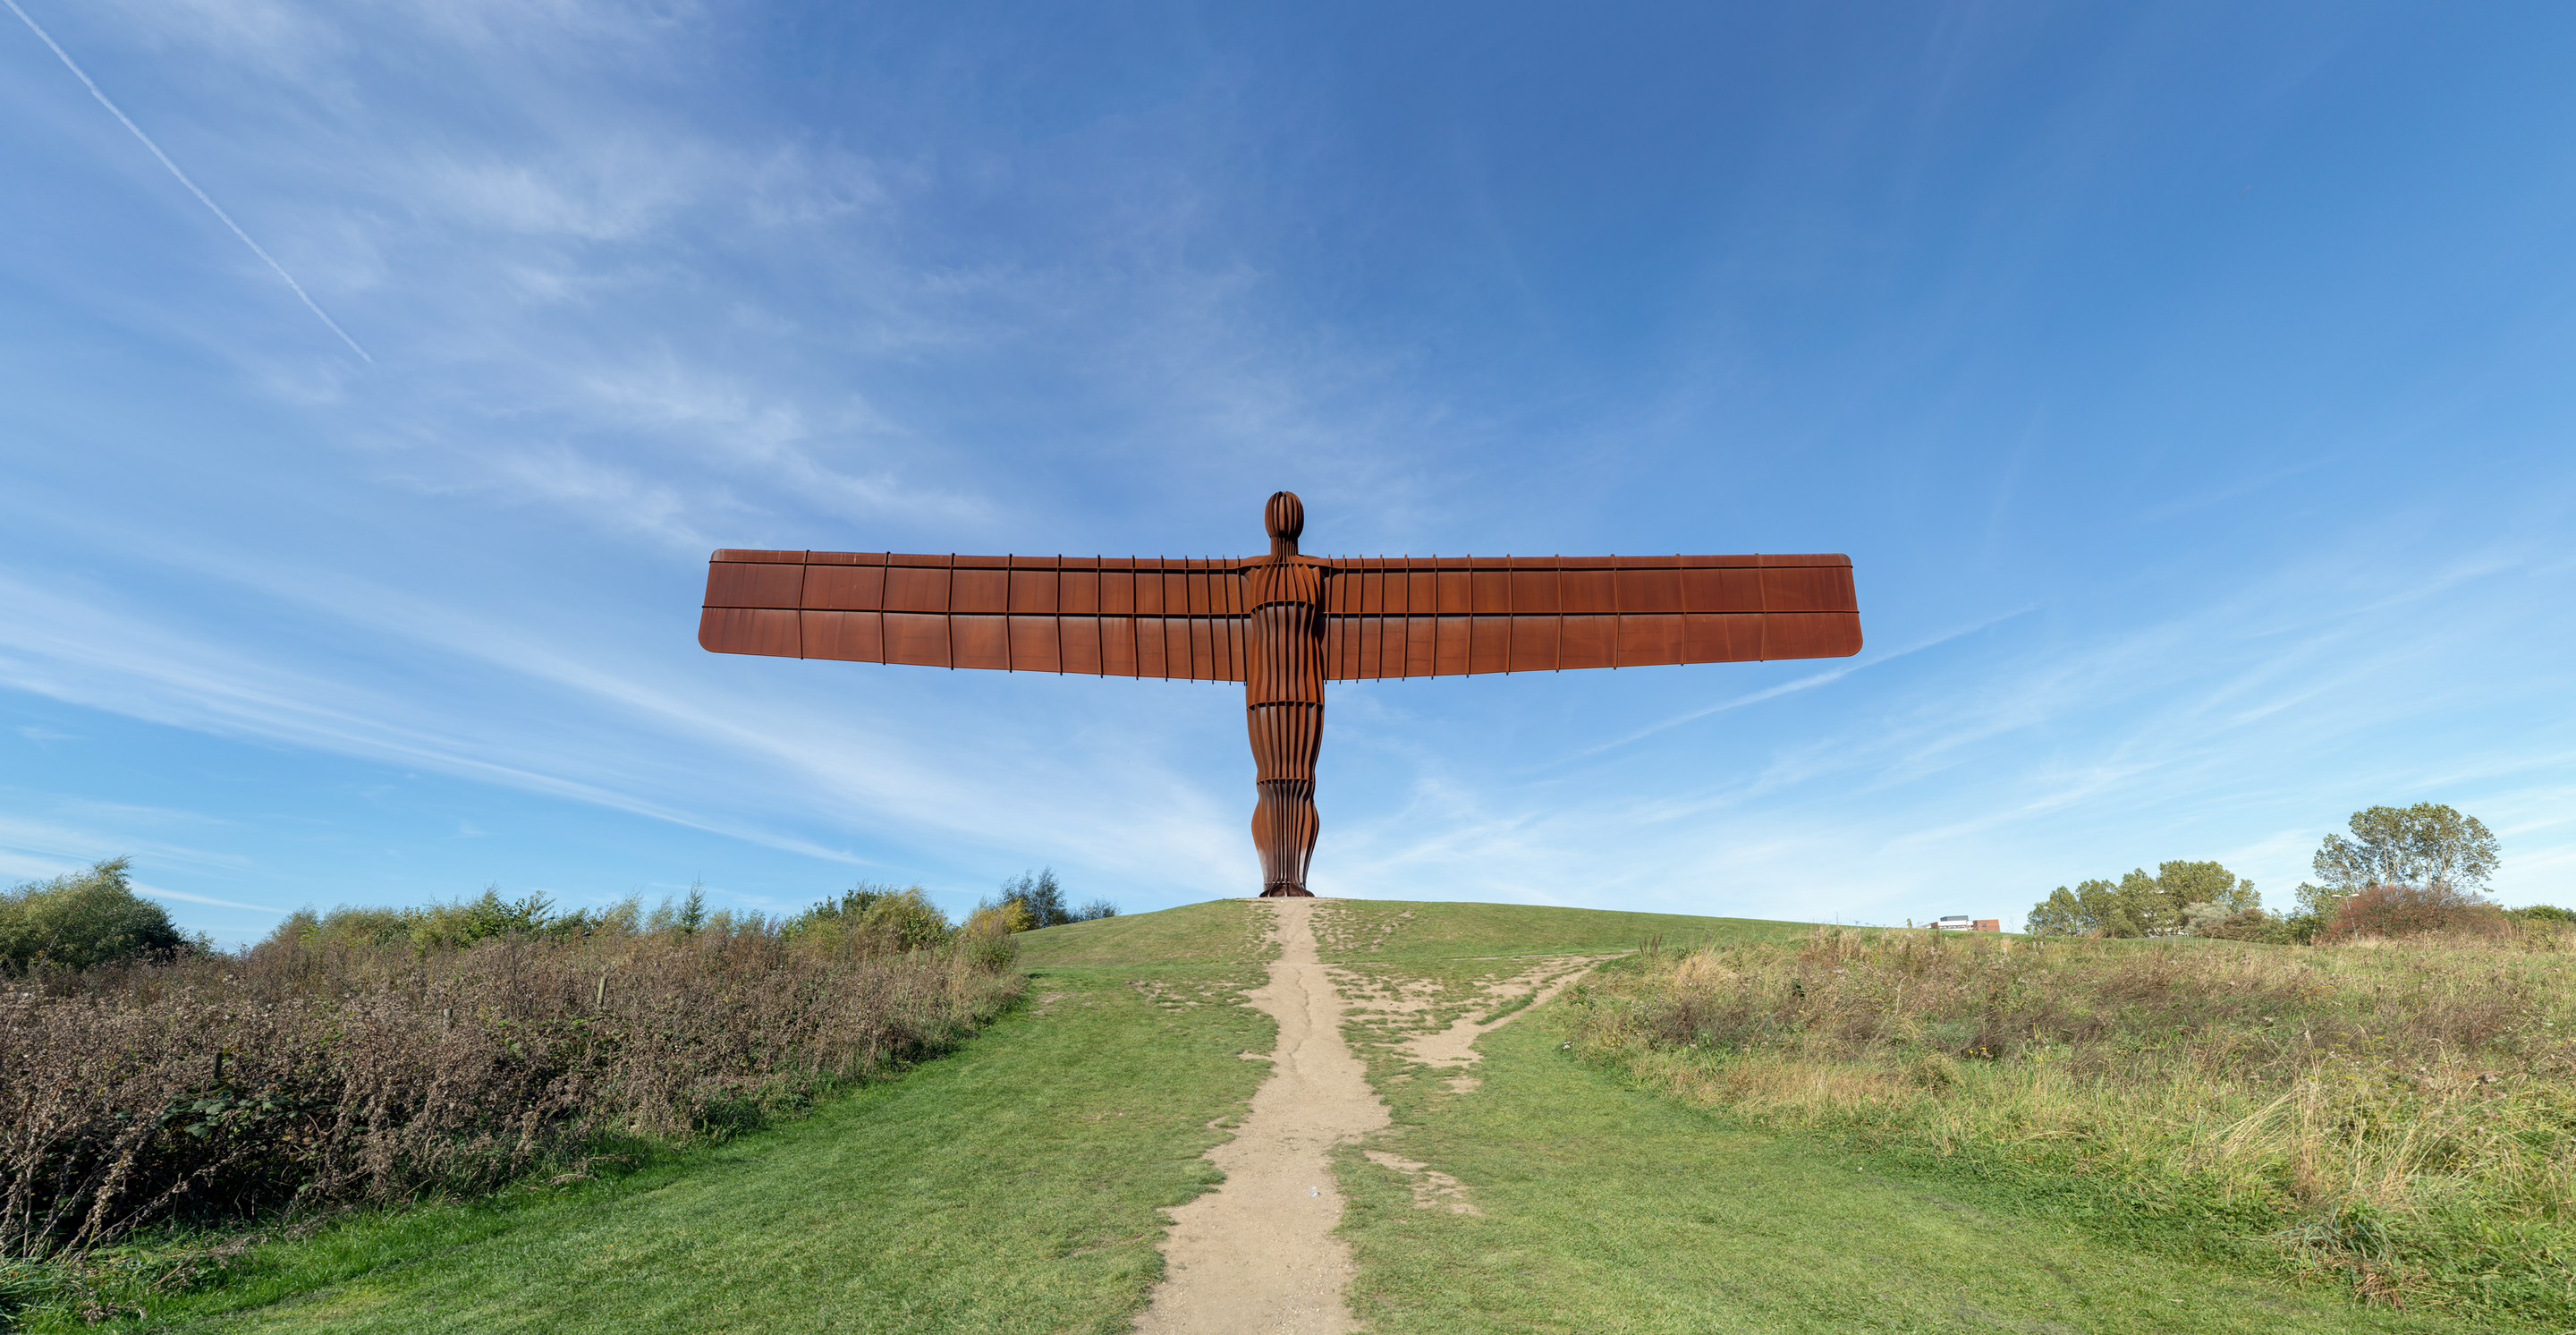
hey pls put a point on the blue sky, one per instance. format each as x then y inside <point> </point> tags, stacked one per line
<point>2188,383</point>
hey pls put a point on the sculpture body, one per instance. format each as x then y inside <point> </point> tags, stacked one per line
<point>1282,624</point>
<point>1283,699</point>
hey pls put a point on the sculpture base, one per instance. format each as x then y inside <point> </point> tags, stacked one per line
<point>1286,892</point>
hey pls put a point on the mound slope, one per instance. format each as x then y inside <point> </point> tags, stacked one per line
<point>1028,1182</point>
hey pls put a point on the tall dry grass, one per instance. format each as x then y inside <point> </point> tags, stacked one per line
<point>330,1066</point>
<point>2402,1112</point>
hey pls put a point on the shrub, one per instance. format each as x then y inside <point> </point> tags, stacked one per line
<point>2392,911</point>
<point>83,919</point>
<point>2255,925</point>
<point>985,939</point>
<point>2250,925</point>
<point>873,919</point>
<point>453,925</point>
<point>344,1059</point>
<point>486,916</point>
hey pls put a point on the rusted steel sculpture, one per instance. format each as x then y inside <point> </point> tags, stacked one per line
<point>1282,624</point>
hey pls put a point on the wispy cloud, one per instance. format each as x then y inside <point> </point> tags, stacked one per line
<point>77,834</point>
<point>160,892</point>
<point>2182,505</point>
<point>182,177</point>
<point>86,654</point>
<point>1809,682</point>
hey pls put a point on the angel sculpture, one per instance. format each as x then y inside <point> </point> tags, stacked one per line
<point>1282,624</point>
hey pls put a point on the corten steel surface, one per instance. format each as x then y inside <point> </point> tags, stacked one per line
<point>1282,624</point>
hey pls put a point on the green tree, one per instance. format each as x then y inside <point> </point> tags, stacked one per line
<point>2203,893</point>
<point>1040,897</point>
<point>2128,907</point>
<point>2318,902</point>
<point>2427,845</point>
<point>1036,900</point>
<point>2178,895</point>
<point>2061,914</point>
<point>83,919</point>
<point>2138,907</point>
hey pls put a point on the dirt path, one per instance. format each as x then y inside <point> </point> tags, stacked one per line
<point>1455,1047</point>
<point>1258,1254</point>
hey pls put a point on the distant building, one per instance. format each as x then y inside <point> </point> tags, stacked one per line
<point>1990,924</point>
<point>1956,922</point>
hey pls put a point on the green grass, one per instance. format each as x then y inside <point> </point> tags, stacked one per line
<point>1611,1209</point>
<point>1390,930</point>
<point>1192,934</point>
<point>1009,1187</point>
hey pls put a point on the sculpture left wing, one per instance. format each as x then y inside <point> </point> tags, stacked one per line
<point>1112,616</point>
<point>1454,616</point>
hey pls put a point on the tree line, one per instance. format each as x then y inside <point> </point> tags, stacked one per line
<point>2415,867</point>
<point>1035,900</point>
<point>87,919</point>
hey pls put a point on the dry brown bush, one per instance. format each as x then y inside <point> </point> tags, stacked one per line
<point>321,1068</point>
<point>2391,911</point>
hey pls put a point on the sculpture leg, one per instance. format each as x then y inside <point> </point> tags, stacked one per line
<point>1285,740</point>
<point>1284,825</point>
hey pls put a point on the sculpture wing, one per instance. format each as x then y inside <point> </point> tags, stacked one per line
<point>1115,617</point>
<point>1438,617</point>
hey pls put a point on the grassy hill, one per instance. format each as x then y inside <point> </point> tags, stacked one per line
<point>1013,1185</point>
<point>1390,930</point>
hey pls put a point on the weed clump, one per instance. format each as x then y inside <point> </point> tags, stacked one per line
<point>2398,1111</point>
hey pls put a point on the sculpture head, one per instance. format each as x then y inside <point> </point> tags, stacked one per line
<point>1285,517</point>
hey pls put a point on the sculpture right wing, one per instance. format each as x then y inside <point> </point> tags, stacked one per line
<point>1454,616</point>
<point>1113,616</point>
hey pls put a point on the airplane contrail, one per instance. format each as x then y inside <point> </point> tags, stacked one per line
<point>86,82</point>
